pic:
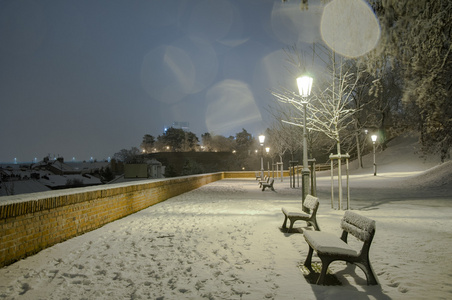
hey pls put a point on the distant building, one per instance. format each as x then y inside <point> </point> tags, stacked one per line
<point>48,174</point>
<point>181,125</point>
<point>151,169</point>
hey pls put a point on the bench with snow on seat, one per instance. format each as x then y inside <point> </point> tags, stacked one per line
<point>330,248</point>
<point>258,175</point>
<point>312,204</point>
<point>265,180</point>
<point>268,184</point>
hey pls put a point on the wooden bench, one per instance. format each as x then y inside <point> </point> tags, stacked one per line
<point>268,184</point>
<point>265,180</point>
<point>311,203</point>
<point>330,248</point>
<point>258,175</point>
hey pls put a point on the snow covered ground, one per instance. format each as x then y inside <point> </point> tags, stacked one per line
<point>223,241</point>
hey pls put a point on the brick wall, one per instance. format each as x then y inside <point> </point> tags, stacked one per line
<point>32,222</point>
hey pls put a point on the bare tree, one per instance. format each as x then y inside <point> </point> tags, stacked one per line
<point>285,136</point>
<point>328,108</point>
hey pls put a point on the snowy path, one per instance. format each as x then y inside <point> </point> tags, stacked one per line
<point>223,241</point>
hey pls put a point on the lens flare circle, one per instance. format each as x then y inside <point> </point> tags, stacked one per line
<point>230,107</point>
<point>167,74</point>
<point>350,27</point>
<point>203,58</point>
<point>289,24</point>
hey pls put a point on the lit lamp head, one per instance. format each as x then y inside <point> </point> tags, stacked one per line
<point>267,150</point>
<point>261,139</point>
<point>304,85</point>
<point>374,138</point>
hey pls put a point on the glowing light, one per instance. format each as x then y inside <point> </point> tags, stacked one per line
<point>304,85</point>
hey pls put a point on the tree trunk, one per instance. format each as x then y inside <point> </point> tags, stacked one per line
<point>358,145</point>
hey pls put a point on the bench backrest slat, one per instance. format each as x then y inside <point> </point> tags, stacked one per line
<point>310,202</point>
<point>359,226</point>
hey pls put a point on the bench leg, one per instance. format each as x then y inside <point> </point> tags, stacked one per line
<point>308,261</point>
<point>266,186</point>
<point>325,264</point>
<point>291,225</point>
<point>314,223</point>
<point>285,222</point>
<point>367,269</point>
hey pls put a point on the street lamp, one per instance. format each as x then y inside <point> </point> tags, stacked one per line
<point>374,139</point>
<point>261,142</point>
<point>304,86</point>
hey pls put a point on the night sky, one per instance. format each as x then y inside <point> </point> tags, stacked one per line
<point>88,78</point>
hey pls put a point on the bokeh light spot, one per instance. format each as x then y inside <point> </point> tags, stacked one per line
<point>230,107</point>
<point>291,25</point>
<point>167,74</point>
<point>271,72</point>
<point>349,27</point>
<point>204,60</point>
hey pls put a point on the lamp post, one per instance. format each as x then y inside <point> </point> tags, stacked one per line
<point>267,149</point>
<point>304,86</point>
<point>374,139</point>
<point>261,142</point>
